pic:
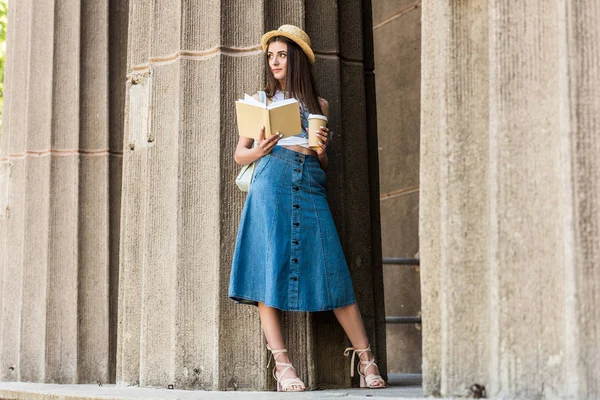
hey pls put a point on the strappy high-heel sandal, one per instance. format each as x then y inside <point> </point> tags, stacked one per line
<point>365,380</point>
<point>284,384</point>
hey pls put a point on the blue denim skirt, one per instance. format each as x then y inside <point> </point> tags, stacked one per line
<point>288,253</point>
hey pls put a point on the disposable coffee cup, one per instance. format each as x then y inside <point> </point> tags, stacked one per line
<point>315,122</point>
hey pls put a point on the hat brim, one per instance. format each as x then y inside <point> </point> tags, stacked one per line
<point>303,45</point>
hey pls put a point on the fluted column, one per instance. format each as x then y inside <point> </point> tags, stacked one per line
<point>509,216</point>
<point>60,166</point>
<point>188,62</point>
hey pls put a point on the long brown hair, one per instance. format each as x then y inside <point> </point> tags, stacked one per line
<point>299,80</point>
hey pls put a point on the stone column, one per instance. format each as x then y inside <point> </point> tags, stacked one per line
<point>509,217</point>
<point>60,167</point>
<point>188,62</point>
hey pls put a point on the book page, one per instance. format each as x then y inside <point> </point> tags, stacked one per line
<point>282,103</point>
<point>251,100</point>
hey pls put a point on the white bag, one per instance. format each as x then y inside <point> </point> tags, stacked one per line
<point>244,178</point>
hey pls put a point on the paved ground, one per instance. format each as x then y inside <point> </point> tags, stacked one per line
<point>401,386</point>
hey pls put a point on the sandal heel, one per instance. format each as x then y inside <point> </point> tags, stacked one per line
<point>366,380</point>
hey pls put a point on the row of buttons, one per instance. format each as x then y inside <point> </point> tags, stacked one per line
<point>296,224</point>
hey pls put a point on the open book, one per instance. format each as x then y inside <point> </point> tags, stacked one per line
<point>281,116</point>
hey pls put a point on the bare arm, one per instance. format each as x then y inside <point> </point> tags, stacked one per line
<point>324,137</point>
<point>244,153</point>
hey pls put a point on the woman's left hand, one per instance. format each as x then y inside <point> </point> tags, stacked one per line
<point>323,136</point>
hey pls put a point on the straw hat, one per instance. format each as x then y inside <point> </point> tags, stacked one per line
<point>293,33</point>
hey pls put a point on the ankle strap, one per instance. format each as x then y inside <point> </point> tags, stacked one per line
<point>274,354</point>
<point>354,351</point>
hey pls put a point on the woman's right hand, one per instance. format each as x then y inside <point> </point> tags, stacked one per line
<point>264,146</point>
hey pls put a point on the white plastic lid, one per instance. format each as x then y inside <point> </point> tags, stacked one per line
<point>317,116</point>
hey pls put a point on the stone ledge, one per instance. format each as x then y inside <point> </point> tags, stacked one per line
<point>402,386</point>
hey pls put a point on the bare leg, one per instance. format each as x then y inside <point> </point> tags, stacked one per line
<point>350,319</point>
<point>270,319</point>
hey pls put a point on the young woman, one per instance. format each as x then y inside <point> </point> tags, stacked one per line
<point>288,254</point>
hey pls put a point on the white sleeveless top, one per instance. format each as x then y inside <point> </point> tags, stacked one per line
<point>298,140</point>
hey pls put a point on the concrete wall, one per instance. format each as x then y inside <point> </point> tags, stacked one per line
<point>397,40</point>
<point>187,64</point>
<point>509,218</point>
<point>60,168</point>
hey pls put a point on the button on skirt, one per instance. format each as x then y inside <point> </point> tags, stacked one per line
<point>288,253</point>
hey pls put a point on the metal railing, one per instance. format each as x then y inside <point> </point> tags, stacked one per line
<point>401,261</point>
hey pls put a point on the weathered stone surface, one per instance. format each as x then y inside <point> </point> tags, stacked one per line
<point>65,230</point>
<point>505,115</point>
<point>60,163</point>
